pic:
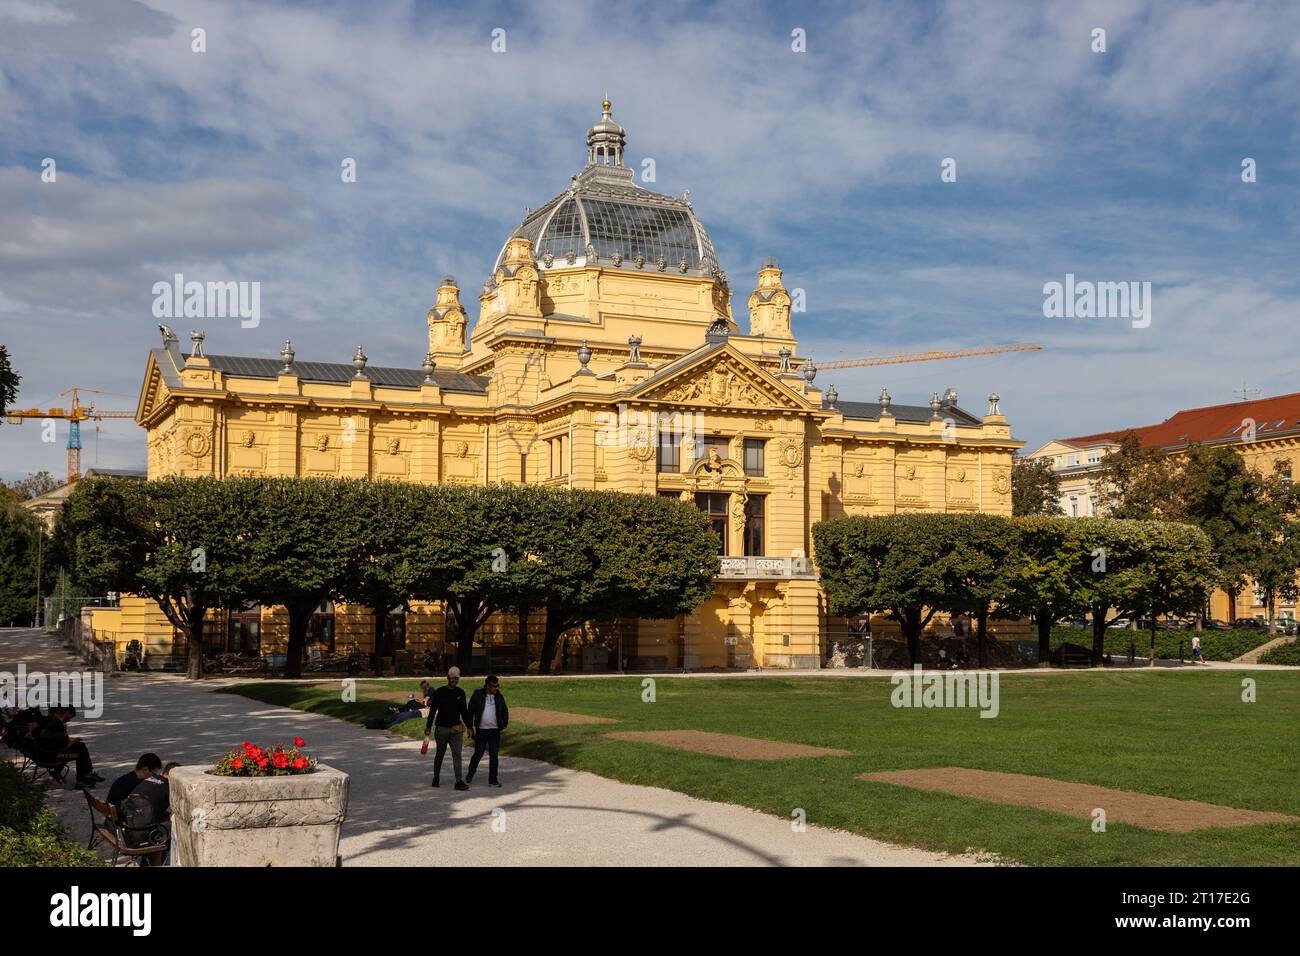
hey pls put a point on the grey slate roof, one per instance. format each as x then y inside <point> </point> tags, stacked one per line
<point>904,413</point>
<point>170,362</point>
<point>339,372</point>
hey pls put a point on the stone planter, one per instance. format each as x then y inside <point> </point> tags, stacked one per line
<point>257,821</point>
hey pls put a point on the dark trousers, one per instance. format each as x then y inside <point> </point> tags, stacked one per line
<point>489,740</point>
<point>77,752</point>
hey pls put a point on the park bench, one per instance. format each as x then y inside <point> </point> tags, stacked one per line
<point>1072,655</point>
<point>507,659</point>
<point>104,828</point>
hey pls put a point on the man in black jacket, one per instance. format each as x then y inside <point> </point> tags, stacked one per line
<point>52,743</point>
<point>488,716</point>
<point>447,717</point>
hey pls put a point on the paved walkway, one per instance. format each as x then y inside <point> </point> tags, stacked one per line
<point>1252,656</point>
<point>545,815</point>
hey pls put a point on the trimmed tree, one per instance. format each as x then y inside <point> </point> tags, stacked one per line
<point>477,542</point>
<point>1045,575</point>
<point>298,538</point>
<point>384,564</point>
<point>176,541</point>
<point>981,548</point>
<point>897,564</point>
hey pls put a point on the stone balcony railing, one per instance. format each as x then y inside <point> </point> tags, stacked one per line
<point>749,567</point>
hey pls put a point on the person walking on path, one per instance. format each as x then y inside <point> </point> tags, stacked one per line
<point>1196,649</point>
<point>448,714</point>
<point>488,716</point>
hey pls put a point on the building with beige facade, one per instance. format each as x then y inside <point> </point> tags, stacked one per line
<point>1264,431</point>
<point>606,353</point>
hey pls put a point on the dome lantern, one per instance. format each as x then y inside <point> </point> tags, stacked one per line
<point>606,140</point>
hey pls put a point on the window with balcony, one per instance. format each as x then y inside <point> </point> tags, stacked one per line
<point>714,504</point>
<point>755,509</point>
<point>755,450</point>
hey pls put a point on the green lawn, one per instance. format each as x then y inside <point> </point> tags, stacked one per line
<point>1184,734</point>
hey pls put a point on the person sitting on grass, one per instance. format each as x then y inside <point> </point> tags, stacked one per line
<point>52,743</point>
<point>448,715</point>
<point>148,765</point>
<point>415,706</point>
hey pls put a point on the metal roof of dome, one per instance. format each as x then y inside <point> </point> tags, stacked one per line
<point>605,218</point>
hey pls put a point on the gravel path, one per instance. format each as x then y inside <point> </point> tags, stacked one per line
<point>545,815</point>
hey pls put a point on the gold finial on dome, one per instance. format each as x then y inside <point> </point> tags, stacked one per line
<point>606,105</point>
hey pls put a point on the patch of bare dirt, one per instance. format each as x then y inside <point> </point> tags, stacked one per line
<point>726,745</point>
<point>1077,799</point>
<point>536,717</point>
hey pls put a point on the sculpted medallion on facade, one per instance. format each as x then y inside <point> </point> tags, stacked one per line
<point>197,443</point>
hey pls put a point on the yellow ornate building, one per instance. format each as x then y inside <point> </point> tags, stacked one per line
<point>605,355</point>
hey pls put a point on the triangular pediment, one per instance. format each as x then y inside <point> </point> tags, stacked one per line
<point>154,390</point>
<point>719,378</point>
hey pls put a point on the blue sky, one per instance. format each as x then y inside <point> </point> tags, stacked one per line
<point>1115,166</point>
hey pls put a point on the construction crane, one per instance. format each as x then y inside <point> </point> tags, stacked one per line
<point>933,355</point>
<point>75,415</point>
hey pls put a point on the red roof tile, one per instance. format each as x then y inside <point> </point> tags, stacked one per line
<point>1278,414</point>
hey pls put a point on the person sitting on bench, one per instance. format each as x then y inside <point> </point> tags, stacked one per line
<point>146,813</point>
<point>148,765</point>
<point>53,744</point>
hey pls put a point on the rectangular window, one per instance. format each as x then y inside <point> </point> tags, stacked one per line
<point>1074,507</point>
<point>754,515</point>
<point>754,455</point>
<point>523,469</point>
<point>670,452</point>
<point>714,505</point>
<point>559,462</point>
<point>719,443</point>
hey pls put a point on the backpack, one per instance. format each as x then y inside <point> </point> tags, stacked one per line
<point>137,819</point>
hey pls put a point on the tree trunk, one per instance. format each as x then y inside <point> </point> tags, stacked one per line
<point>981,633</point>
<point>1098,636</point>
<point>194,663</point>
<point>551,640</point>
<point>299,618</point>
<point>1269,604</point>
<point>379,645</point>
<point>1044,639</point>
<point>467,626</point>
<point>1152,662</point>
<point>910,621</point>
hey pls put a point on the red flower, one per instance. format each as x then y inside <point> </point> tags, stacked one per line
<point>237,764</point>
<point>299,742</point>
<point>300,763</point>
